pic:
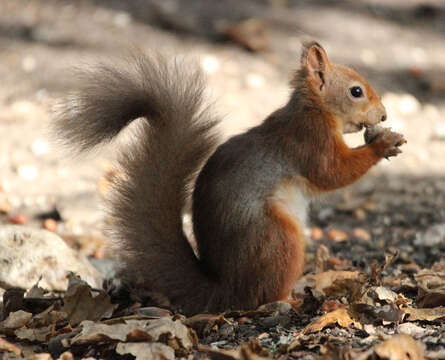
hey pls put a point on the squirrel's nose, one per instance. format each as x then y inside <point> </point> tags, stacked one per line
<point>383,118</point>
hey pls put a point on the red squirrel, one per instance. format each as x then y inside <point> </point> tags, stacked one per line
<point>249,195</point>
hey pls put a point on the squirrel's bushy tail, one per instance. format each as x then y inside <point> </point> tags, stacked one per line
<point>170,146</point>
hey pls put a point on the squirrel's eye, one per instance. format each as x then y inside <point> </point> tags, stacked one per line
<point>356,91</point>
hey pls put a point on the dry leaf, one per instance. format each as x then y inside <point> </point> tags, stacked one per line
<point>80,304</point>
<point>16,320</point>
<point>321,257</point>
<point>432,280</point>
<point>152,312</point>
<point>36,290</point>
<point>428,314</point>
<point>326,279</point>
<point>48,317</point>
<point>402,280</point>
<point>339,316</point>
<point>352,288</point>
<point>7,346</point>
<point>399,347</point>
<point>376,277</point>
<point>386,313</point>
<point>40,334</point>
<point>431,286</point>
<point>281,307</point>
<point>203,322</point>
<point>143,350</point>
<point>385,294</point>
<point>136,330</point>
<point>66,356</point>
<point>250,351</point>
<point>42,356</point>
<point>97,332</point>
<point>175,330</point>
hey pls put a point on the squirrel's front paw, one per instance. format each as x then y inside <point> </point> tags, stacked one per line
<point>385,142</point>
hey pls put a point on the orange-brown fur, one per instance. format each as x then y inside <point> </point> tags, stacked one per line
<point>292,248</point>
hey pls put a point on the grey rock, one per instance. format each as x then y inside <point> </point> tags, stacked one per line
<point>26,254</point>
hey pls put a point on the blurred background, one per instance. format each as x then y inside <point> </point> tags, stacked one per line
<point>248,50</point>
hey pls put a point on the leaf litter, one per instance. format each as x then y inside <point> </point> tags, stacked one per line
<point>335,313</point>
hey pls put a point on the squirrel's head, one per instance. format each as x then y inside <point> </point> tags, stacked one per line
<point>343,92</point>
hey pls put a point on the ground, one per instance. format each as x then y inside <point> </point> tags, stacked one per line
<point>397,45</point>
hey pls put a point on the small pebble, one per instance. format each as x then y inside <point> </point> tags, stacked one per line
<point>40,147</point>
<point>27,172</point>
<point>50,225</point>
<point>439,131</point>
<point>29,63</point>
<point>360,214</point>
<point>254,81</point>
<point>337,235</point>
<point>18,219</point>
<point>210,64</point>
<point>5,207</point>
<point>122,19</point>
<point>361,234</point>
<point>243,320</point>
<point>316,233</point>
<point>368,57</point>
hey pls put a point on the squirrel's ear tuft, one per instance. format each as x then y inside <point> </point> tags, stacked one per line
<point>315,60</point>
<point>314,55</point>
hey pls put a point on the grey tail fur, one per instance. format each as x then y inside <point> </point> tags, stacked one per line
<point>171,143</point>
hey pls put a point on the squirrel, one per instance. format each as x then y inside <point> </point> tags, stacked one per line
<point>249,195</point>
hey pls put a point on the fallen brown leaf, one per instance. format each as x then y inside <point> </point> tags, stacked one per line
<point>80,304</point>
<point>322,255</point>
<point>369,313</point>
<point>326,279</point>
<point>385,294</point>
<point>66,356</point>
<point>144,350</point>
<point>48,317</point>
<point>164,329</point>
<point>428,314</point>
<point>41,334</point>
<point>250,351</point>
<point>341,317</point>
<point>202,323</point>
<point>431,284</point>
<point>376,277</point>
<point>16,320</point>
<point>42,356</point>
<point>7,346</point>
<point>399,347</point>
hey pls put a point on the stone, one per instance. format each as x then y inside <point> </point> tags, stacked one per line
<point>26,254</point>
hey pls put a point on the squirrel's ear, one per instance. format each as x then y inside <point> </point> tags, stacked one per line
<point>316,62</point>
